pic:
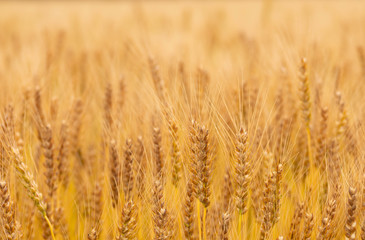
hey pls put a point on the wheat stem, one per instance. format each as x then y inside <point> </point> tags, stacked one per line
<point>240,225</point>
<point>50,226</point>
<point>204,223</point>
<point>199,220</point>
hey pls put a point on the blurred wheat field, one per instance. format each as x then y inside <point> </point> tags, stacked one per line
<point>182,120</point>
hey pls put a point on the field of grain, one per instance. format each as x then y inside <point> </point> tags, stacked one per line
<point>182,120</point>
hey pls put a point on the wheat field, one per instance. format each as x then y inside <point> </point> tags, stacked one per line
<point>182,120</point>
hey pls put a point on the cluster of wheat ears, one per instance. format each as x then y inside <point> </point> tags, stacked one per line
<point>155,126</point>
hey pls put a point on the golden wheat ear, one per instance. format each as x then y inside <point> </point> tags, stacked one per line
<point>11,226</point>
<point>93,235</point>
<point>127,229</point>
<point>308,226</point>
<point>127,174</point>
<point>63,153</point>
<point>322,140</point>
<point>188,212</point>
<point>350,226</point>
<point>114,166</point>
<point>49,164</point>
<point>175,151</point>
<point>31,186</point>
<point>140,167</point>
<point>163,223</point>
<point>158,155</point>
<point>242,172</point>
